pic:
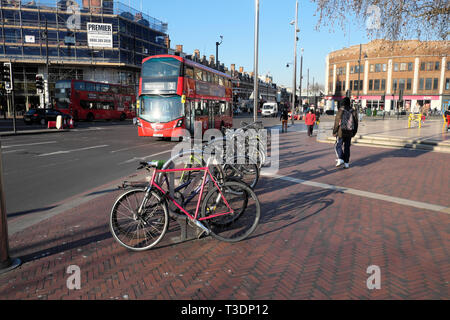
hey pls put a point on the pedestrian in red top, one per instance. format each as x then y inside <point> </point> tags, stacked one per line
<point>310,121</point>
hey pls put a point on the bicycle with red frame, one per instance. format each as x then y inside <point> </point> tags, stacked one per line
<point>228,211</point>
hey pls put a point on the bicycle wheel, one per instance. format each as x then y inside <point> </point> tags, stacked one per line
<point>139,232</point>
<point>246,172</point>
<point>235,226</point>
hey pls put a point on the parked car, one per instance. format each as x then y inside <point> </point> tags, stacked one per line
<point>38,116</point>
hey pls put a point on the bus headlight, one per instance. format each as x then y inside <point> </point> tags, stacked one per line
<point>179,123</point>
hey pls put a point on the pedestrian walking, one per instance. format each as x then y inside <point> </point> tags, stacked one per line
<point>345,128</point>
<point>447,118</point>
<point>310,121</point>
<point>284,119</point>
<point>317,116</point>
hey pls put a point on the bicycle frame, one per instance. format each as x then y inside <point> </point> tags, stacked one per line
<point>206,173</point>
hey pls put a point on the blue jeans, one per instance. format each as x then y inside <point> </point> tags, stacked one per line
<point>343,154</point>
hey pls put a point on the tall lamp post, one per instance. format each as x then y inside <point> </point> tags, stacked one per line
<point>359,74</point>
<point>255,66</point>
<point>294,78</point>
<point>301,79</point>
<point>307,86</point>
<point>6,263</point>
<point>217,51</point>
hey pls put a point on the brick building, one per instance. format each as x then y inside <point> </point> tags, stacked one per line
<point>383,72</point>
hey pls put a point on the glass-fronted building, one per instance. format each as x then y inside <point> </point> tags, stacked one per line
<point>97,40</point>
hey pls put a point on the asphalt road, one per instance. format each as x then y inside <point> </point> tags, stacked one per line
<point>42,170</point>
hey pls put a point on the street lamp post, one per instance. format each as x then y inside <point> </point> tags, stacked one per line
<point>307,86</point>
<point>294,78</point>
<point>314,92</point>
<point>255,68</point>
<point>301,79</point>
<point>6,263</point>
<point>359,74</point>
<point>217,51</point>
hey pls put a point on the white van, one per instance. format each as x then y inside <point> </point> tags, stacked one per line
<point>269,109</point>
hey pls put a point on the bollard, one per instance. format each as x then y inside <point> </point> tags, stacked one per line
<point>59,123</point>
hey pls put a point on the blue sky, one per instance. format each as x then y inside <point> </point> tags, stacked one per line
<point>198,24</point>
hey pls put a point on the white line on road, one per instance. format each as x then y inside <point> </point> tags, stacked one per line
<point>135,147</point>
<point>70,151</point>
<point>145,158</point>
<point>366,194</point>
<point>13,151</point>
<point>28,144</point>
<point>87,129</point>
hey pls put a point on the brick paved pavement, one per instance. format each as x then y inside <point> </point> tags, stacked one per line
<point>311,243</point>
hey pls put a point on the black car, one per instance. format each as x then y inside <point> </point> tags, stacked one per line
<point>37,116</point>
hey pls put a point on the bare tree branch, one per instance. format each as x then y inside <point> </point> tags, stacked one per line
<point>388,19</point>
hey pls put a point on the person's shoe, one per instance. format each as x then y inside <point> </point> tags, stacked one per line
<point>346,165</point>
<point>339,163</point>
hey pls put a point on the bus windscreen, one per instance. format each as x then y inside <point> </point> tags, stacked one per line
<point>161,109</point>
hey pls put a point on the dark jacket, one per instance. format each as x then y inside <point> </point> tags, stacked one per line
<point>337,128</point>
<point>284,115</point>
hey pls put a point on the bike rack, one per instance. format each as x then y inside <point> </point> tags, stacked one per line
<point>187,231</point>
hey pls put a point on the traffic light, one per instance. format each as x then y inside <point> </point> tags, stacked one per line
<point>40,83</point>
<point>400,96</point>
<point>383,98</point>
<point>7,76</point>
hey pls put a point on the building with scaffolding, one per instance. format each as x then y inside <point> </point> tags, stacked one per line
<point>96,40</point>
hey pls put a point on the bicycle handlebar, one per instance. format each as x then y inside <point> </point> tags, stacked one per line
<point>158,164</point>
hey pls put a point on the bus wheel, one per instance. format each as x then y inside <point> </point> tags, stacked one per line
<point>90,117</point>
<point>123,116</point>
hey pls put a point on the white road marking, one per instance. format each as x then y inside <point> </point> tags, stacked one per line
<point>13,151</point>
<point>145,158</point>
<point>70,151</point>
<point>28,144</point>
<point>87,129</point>
<point>135,147</point>
<point>366,194</point>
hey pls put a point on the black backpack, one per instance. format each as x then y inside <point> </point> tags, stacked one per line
<point>347,121</point>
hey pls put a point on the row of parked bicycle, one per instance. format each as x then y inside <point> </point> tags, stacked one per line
<point>222,177</point>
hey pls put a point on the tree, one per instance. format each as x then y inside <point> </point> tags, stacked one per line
<point>389,19</point>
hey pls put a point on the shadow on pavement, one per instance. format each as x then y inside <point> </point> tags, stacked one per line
<point>23,213</point>
<point>293,209</point>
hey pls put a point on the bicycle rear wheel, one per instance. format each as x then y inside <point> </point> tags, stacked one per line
<point>139,232</point>
<point>235,226</point>
<point>247,172</point>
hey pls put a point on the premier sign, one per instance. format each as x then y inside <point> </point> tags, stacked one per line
<point>100,35</point>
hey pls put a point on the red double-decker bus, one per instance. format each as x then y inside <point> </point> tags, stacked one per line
<point>175,92</point>
<point>87,100</point>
